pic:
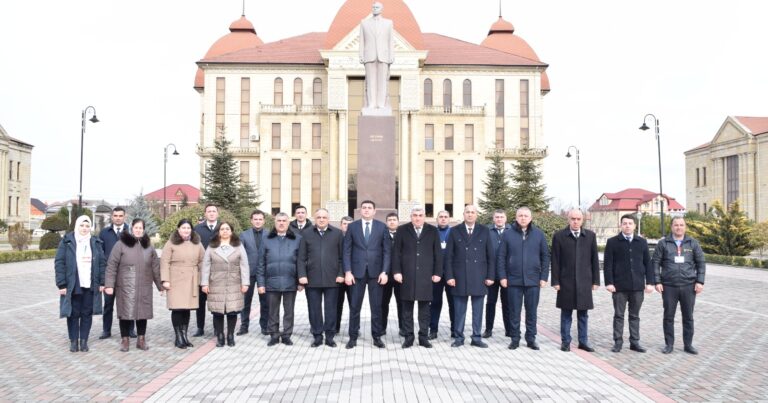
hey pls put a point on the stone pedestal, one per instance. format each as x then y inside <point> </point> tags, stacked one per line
<point>376,163</point>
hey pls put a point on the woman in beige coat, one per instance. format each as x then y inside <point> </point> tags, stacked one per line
<point>225,278</point>
<point>132,267</point>
<point>180,273</point>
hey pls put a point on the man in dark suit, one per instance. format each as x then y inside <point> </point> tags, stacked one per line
<point>628,272</point>
<point>206,230</point>
<point>443,219</point>
<point>417,263</point>
<point>252,239</point>
<point>498,227</point>
<point>301,220</point>
<point>392,287</point>
<point>366,263</point>
<point>469,268</point>
<point>575,275</point>
<point>109,237</point>
<point>319,271</point>
<point>344,289</point>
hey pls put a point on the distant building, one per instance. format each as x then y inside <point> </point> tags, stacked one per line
<point>15,168</point>
<point>177,196</point>
<point>609,207</point>
<point>101,210</point>
<point>36,213</point>
<point>733,166</point>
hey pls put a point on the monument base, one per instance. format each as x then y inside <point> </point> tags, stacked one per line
<point>376,163</point>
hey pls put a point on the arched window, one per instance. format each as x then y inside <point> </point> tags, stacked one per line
<point>297,84</point>
<point>428,92</point>
<point>447,95</point>
<point>467,93</point>
<point>278,91</point>
<point>317,92</point>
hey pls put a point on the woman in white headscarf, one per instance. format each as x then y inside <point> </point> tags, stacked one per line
<point>80,265</point>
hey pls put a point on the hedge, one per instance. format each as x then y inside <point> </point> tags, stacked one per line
<point>24,255</point>
<point>736,261</point>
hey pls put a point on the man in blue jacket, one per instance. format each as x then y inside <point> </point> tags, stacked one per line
<point>109,237</point>
<point>252,239</point>
<point>628,272</point>
<point>498,228</point>
<point>443,219</point>
<point>523,265</point>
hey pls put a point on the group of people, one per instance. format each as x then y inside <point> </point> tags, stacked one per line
<point>209,266</point>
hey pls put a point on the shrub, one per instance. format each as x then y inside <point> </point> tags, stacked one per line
<point>24,255</point>
<point>55,223</point>
<point>50,241</point>
<point>193,213</point>
<point>19,237</point>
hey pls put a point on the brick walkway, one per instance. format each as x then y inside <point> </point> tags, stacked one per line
<point>731,365</point>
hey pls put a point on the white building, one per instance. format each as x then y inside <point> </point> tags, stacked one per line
<point>15,174</point>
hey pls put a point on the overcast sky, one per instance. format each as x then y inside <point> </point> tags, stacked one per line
<point>690,63</point>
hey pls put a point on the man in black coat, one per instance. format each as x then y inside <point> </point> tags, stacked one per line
<point>251,239</point>
<point>110,236</point>
<point>206,230</point>
<point>301,222</point>
<point>575,274</point>
<point>469,269</point>
<point>392,287</point>
<point>628,272</point>
<point>319,270</point>
<point>498,227</point>
<point>344,289</point>
<point>417,263</point>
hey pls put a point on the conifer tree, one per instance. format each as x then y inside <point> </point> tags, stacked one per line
<point>140,208</point>
<point>497,191</point>
<point>223,186</point>
<point>527,189</point>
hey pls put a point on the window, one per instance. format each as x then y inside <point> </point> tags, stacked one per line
<point>18,170</point>
<point>296,136</point>
<point>220,88</point>
<point>427,92</point>
<point>316,136</point>
<point>467,93</point>
<point>732,179</point>
<point>697,178</point>
<point>448,137</point>
<point>295,182</point>
<point>315,185</point>
<point>297,84</point>
<point>469,137</point>
<point>698,208</point>
<point>275,136</point>
<point>447,95</point>
<point>10,170</point>
<point>500,98</point>
<point>469,172</point>
<point>499,138</point>
<point>704,176</point>
<point>429,137</point>
<point>317,93</point>
<point>245,175</point>
<point>245,110</point>
<point>705,208</point>
<point>278,91</point>
<point>10,202</point>
<point>17,205</point>
<point>448,186</point>
<point>429,181</point>
<point>275,186</point>
<point>524,125</point>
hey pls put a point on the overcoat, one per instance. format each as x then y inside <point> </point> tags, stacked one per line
<point>470,260</point>
<point>132,267</point>
<point>65,264</point>
<point>224,273</point>
<point>575,268</point>
<point>277,270</point>
<point>627,265</point>
<point>417,259</point>
<point>180,265</point>
<point>320,256</point>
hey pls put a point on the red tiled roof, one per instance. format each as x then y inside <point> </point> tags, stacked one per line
<point>353,11</point>
<point>629,199</point>
<point>302,49</point>
<point>755,125</point>
<point>193,193</point>
<point>241,35</point>
<point>502,37</point>
<point>444,50</point>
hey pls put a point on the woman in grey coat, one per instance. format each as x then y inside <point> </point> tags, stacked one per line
<point>225,278</point>
<point>132,267</point>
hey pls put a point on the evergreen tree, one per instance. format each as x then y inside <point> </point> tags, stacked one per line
<point>497,191</point>
<point>727,233</point>
<point>140,208</point>
<point>527,189</point>
<point>223,186</point>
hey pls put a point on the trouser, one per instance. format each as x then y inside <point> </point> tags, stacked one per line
<point>376,83</point>
<point>686,296</point>
<point>460,306</point>
<point>387,290</point>
<point>109,308</point>
<point>490,307</point>
<point>620,300</point>
<point>288,299</point>
<point>343,289</point>
<point>180,317</point>
<point>566,319</point>
<point>356,305</point>
<point>245,314</point>
<point>202,299</point>
<point>437,305</point>
<point>321,303</point>
<point>424,314</point>
<point>218,322</point>
<point>80,319</point>
<point>519,295</point>
<point>127,325</point>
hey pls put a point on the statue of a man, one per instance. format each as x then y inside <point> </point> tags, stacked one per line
<point>376,53</point>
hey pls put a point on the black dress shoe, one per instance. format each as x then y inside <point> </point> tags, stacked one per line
<point>425,343</point>
<point>533,345</point>
<point>377,342</point>
<point>667,349</point>
<point>457,343</point>
<point>73,346</point>
<point>84,345</point>
<point>617,348</point>
<point>565,347</point>
<point>351,343</point>
<point>586,347</point>
<point>132,334</point>
<point>105,335</point>
<point>329,342</point>
<point>687,349</point>
<point>637,347</point>
<point>242,331</point>
<point>478,344</point>
<point>432,335</point>
<point>273,341</point>
<point>408,343</point>
<point>286,340</point>
<point>198,333</point>
<point>488,333</point>
<point>317,342</point>
<point>513,345</point>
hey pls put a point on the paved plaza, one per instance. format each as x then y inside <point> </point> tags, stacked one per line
<point>731,335</point>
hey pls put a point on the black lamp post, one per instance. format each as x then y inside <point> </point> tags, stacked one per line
<point>165,166</point>
<point>578,170</point>
<point>82,139</point>
<point>658,147</point>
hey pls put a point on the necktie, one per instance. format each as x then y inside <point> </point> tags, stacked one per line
<point>628,238</point>
<point>211,227</point>
<point>418,232</point>
<point>322,232</point>
<point>576,234</point>
<point>367,233</point>
<point>499,230</point>
<point>469,231</point>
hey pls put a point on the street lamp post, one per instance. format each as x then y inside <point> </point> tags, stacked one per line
<point>165,166</point>
<point>82,139</point>
<point>645,127</point>
<point>578,170</point>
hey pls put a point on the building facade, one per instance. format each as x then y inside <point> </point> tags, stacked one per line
<point>290,110</point>
<point>607,210</point>
<point>733,166</point>
<point>15,175</point>
<point>177,196</point>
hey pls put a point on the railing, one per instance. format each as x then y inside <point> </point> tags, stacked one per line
<point>532,153</point>
<point>235,151</point>
<point>291,109</point>
<point>453,110</point>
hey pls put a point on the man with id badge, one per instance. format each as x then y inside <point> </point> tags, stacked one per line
<point>679,268</point>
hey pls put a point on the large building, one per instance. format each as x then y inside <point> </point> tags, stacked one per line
<point>733,166</point>
<point>15,175</point>
<point>290,109</point>
<point>607,210</point>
